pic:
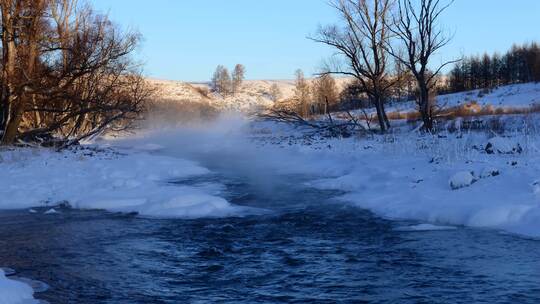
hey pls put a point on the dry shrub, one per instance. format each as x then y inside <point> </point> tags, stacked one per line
<point>204,91</point>
<point>290,104</point>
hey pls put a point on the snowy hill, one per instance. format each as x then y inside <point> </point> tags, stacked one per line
<point>516,96</point>
<point>253,95</point>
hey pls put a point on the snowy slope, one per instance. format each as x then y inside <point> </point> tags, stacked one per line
<point>253,95</point>
<point>517,96</point>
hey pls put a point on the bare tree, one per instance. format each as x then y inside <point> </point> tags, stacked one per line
<point>215,83</point>
<point>275,92</point>
<point>325,93</point>
<point>302,93</point>
<point>416,27</point>
<point>66,72</point>
<point>221,81</point>
<point>238,77</point>
<point>10,13</point>
<point>21,22</point>
<point>361,42</point>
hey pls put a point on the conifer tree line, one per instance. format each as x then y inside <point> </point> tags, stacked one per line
<point>520,64</point>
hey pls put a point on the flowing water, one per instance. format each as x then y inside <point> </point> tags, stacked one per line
<point>305,249</point>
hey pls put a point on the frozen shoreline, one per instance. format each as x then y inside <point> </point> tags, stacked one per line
<point>14,292</point>
<point>443,179</point>
<point>401,176</point>
<point>136,181</point>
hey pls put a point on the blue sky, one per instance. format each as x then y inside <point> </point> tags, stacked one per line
<point>187,39</point>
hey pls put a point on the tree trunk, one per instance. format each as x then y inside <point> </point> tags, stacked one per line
<point>386,120</point>
<point>380,113</point>
<point>25,97</point>
<point>8,71</point>
<point>425,108</point>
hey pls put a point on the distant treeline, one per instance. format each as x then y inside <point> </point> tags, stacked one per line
<point>520,64</point>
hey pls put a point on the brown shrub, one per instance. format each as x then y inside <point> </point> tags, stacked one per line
<point>204,91</point>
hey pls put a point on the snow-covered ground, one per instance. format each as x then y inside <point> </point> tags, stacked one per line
<point>15,292</point>
<point>429,180</point>
<point>517,96</point>
<point>126,180</point>
<point>447,179</point>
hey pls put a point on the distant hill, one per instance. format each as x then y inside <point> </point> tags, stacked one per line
<point>254,94</point>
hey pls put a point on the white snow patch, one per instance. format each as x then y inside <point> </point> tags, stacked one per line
<point>461,180</point>
<point>407,178</point>
<point>536,187</point>
<point>503,146</point>
<point>489,172</point>
<point>14,292</point>
<point>136,182</point>
<point>51,211</point>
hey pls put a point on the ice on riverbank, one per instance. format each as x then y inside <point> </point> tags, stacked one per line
<point>131,182</point>
<point>15,292</point>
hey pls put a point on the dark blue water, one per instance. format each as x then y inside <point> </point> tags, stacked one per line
<point>307,249</point>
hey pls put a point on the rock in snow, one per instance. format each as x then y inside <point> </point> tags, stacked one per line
<point>489,172</point>
<point>536,187</point>
<point>461,180</point>
<point>503,146</point>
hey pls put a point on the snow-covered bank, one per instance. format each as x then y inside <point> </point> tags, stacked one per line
<point>134,181</point>
<point>14,292</point>
<point>446,181</point>
<point>470,178</point>
<point>463,178</point>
